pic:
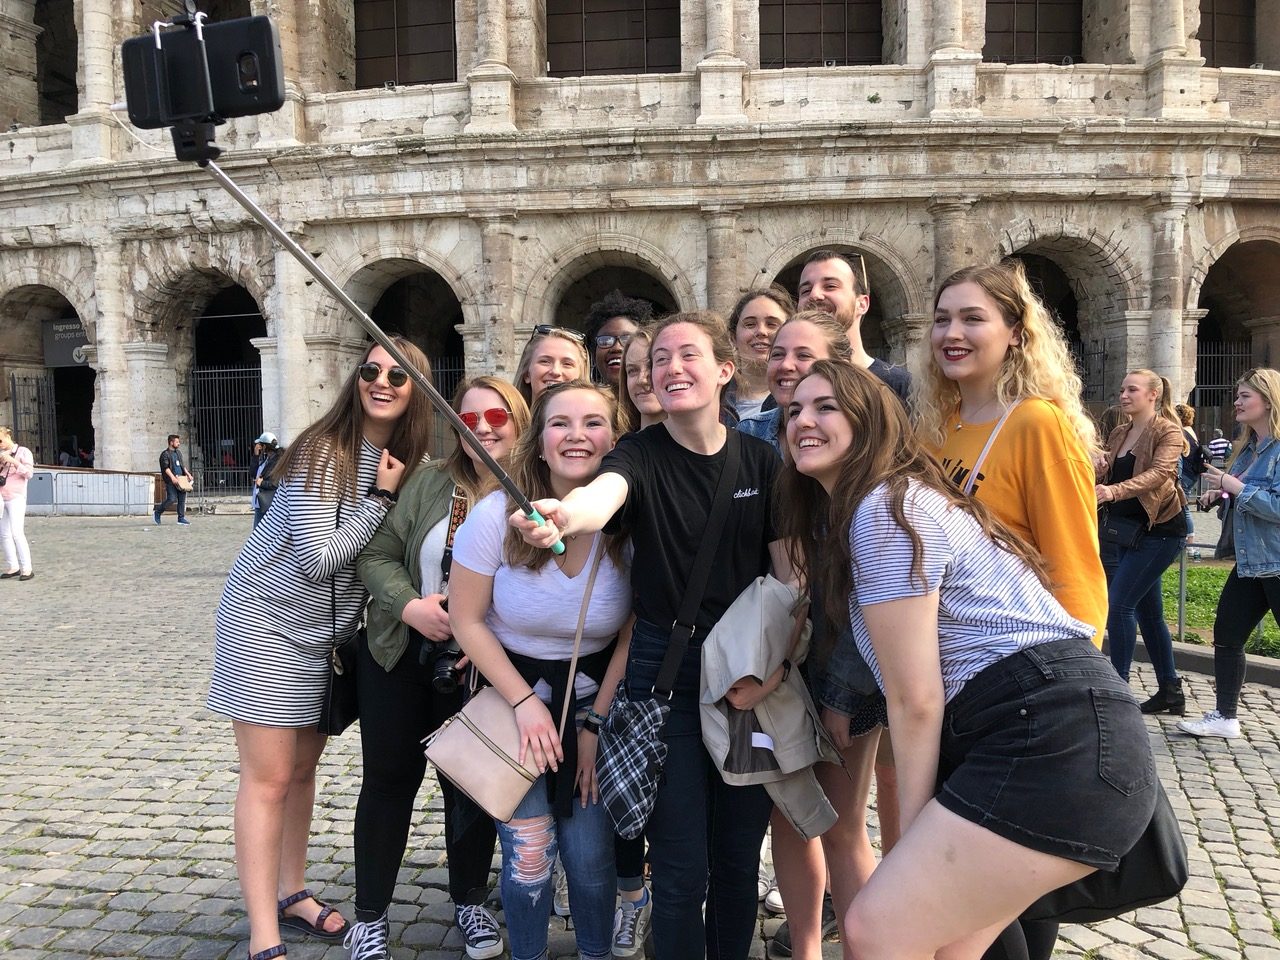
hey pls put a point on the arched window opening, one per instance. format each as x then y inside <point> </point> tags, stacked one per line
<point>826,33</point>
<point>595,37</point>
<point>404,42</point>
<point>1034,31</point>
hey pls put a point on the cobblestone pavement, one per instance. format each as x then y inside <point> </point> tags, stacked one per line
<point>116,786</point>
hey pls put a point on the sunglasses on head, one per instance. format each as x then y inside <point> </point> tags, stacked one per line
<point>607,340</point>
<point>369,373</point>
<point>542,329</point>
<point>495,417</point>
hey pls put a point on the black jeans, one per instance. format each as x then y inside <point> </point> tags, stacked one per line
<point>397,710</point>
<point>697,850</point>
<point>1243,604</point>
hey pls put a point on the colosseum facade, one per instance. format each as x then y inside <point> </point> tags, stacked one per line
<point>467,169</point>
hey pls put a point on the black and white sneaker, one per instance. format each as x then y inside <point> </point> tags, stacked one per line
<point>479,932</point>
<point>368,941</point>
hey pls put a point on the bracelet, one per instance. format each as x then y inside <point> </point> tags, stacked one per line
<point>592,715</point>
<point>381,494</point>
<point>591,724</point>
<point>522,700</point>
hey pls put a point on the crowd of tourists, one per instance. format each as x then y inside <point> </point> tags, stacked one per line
<point>954,538</point>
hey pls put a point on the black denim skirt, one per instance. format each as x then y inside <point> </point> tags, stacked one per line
<point>1047,748</point>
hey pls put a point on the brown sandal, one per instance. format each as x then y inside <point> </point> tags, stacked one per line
<point>316,929</point>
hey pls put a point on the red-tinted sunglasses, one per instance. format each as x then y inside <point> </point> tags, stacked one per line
<point>495,417</point>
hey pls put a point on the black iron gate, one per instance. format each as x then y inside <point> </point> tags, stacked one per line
<point>1218,367</point>
<point>34,419</point>
<point>226,417</point>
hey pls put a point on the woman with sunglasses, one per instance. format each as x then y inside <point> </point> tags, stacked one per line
<point>291,596</point>
<point>410,682</point>
<point>515,612</point>
<point>552,355</point>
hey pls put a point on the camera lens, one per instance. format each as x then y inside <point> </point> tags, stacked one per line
<point>247,68</point>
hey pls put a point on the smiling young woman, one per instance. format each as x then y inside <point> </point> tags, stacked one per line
<point>552,355</point>
<point>272,656</point>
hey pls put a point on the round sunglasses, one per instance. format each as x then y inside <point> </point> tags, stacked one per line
<point>369,373</point>
<point>607,340</point>
<point>495,417</point>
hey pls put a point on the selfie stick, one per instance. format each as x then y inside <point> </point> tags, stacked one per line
<point>381,339</point>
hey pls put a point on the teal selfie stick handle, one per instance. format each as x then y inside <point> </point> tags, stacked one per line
<point>558,547</point>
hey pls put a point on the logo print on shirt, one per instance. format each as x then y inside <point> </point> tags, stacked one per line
<point>747,492</point>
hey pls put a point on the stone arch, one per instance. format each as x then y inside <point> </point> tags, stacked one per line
<point>76,289</point>
<point>573,261</point>
<point>1097,263</point>
<point>1213,253</point>
<point>370,270</point>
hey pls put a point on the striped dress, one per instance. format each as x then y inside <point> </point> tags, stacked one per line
<point>291,591</point>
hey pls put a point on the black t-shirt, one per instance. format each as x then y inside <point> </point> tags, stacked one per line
<point>1131,507</point>
<point>669,496</point>
<point>897,378</point>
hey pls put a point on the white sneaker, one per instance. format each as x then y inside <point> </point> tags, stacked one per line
<point>773,901</point>
<point>368,941</point>
<point>630,924</point>
<point>1213,724</point>
<point>561,884</point>
<point>764,882</point>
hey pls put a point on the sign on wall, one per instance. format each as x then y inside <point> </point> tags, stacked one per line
<point>64,343</point>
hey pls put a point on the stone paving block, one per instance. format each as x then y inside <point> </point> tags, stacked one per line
<point>1169,951</point>
<point>1119,931</point>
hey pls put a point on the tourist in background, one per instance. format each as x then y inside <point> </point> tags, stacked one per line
<point>609,325</point>
<point>754,320</point>
<point>17,466</point>
<point>1251,483</point>
<point>1139,489</point>
<point>266,451</point>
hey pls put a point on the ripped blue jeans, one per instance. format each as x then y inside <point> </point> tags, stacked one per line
<point>530,843</point>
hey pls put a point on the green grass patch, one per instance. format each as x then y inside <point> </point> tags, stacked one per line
<point>1204,586</point>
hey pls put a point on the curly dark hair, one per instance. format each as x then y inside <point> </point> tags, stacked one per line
<point>615,304</point>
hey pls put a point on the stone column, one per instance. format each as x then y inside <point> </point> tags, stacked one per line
<point>304,386</point>
<point>1173,75</point>
<point>1190,340</point>
<point>489,342</point>
<point>93,131</point>
<point>153,400</point>
<point>952,248</point>
<point>953,66</point>
<point>721,71</point>
<point>1127,338</point>
<point>491,81</point>
<point>271,391</point>
<point>902,333</point>
<point>1168,223</point>
<point>114,417</point>
<point>724,279</point>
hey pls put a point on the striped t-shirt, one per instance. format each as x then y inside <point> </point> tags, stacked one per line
<point>990,604</point>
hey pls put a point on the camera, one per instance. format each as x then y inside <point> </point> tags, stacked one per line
<point>444,672</point>
<point>204,73</point>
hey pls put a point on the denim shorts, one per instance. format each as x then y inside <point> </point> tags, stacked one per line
<point>1047,748</point>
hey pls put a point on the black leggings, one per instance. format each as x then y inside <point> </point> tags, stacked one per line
<point>1243,604</point>
<point>397,710</point>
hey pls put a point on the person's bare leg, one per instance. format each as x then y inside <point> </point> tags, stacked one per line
<point>849,856</point>
<point>299,806</point>
<point>267,757</point>
<point>947,889</point>
<point>801,872</point>
<point>887,794</point>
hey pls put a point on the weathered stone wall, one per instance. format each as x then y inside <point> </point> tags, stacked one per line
<point>18,37</point>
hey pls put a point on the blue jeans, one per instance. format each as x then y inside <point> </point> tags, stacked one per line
<point>698,851</point>
<point>173,495</point>
<point>1133,597</point>
<point>530,843</point>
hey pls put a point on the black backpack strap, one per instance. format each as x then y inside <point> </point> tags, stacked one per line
<point>683,627</point>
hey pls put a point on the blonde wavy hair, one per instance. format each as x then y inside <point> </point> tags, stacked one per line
<point>1266,383</point>
<point>1041,365</point>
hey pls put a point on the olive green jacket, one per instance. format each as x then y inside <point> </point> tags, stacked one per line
<point>390,564</point>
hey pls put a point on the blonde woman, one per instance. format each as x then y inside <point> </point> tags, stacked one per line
<point>638,407</point>
<point>994,350</point>
<point>1140,491</point>
<point>552,355</point>
<point>17,466</point>
<point>1253,586</point>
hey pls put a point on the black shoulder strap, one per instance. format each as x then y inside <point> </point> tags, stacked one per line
<point>683,627</point>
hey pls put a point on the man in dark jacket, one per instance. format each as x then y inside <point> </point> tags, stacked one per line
<point>177,481</point>
<point>267,449</point>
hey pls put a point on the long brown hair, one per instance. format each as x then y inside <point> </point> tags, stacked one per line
<point>817,525</point>
<point>475,483</point>
<point>532,475</point>
<point>628,412</point>
<point>336,437</point>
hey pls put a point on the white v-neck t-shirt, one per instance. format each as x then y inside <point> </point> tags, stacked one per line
<point>535,612</point>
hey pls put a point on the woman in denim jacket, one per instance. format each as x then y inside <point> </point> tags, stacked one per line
<point>1253,586</point>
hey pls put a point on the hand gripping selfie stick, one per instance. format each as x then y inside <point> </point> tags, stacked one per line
<point>193,140</point>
